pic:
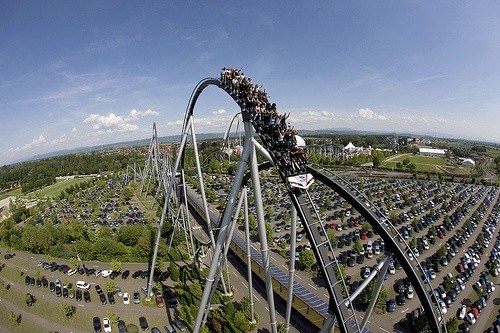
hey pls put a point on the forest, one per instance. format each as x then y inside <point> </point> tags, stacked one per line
<point>37,174</point>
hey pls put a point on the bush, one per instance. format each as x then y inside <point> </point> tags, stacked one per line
<point>174,272</point>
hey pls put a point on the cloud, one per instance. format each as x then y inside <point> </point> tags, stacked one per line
<point>369,114</point>
<point>134,114</point>
<point>220,111</point>
<point>429,78</point>
<point>37,142</point>
<point>114,123</point>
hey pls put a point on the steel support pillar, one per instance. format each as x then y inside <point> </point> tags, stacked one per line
<point>231,202</point>
<point>263,238</point>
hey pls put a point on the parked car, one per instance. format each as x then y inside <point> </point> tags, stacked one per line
<point>126,298</point>
<point>137,298</point>
<point>180,325</point>
<point>96,323</point>
<point>106,324</point>
<point>86,296</point>
<point>391,305</point>
<point>144,323</point>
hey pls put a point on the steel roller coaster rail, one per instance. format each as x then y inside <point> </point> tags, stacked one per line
<point>281,146</point>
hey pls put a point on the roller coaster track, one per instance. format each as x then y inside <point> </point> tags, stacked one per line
<point>340,304</point>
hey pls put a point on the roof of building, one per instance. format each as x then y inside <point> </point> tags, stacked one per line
<point>349,146</point>
<point>468,160</point>
<point>431,150</point>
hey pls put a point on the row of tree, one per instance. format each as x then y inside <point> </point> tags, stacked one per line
<point>37,174</point>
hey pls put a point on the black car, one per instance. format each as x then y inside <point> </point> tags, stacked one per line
<point>65,292</point>
<point>45,283</point>
<point>58,291</point>
<point>169,295</point>
<point>400,299</point>
<point>27,280</point>
<point>136,274</point>
<point>98,289</point>
<point>125,274</point>
<point>113,275</point>
<point>86,296</point>
<point>52,286</point>
<point>111,298</point>
<point>97,324</point>
<point>163,276</point>
<point>144,323</point>
<point>102,298</point>
<point>78,295</point>
<point>351,262</point>
<point>32,281</point>
<point>122,327</point>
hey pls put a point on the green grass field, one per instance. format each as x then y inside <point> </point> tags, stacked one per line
<point>54,190</point>
<point>422,163</point>
<point>17,192</point>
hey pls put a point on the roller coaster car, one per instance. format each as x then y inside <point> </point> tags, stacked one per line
<point>301,181</point>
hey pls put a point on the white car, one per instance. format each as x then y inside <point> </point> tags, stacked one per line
<point>470,318</point>
<point>126,298</point>
<point>82,285</point>
<point>106,324</point>
<point>409,292</point>
<point>432,274</point>
<point>392,270</point>
<point>106,272</point>
<point>462,312</point>
<point>442,306</point>
<point>71,271</point>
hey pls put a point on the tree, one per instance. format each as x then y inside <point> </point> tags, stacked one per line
<point>452,325</point>
<point>16,319</point>
<point>306,259</point>
<point>441,252</point>
<point>113,317</point>
<point>185,315</point>
<point>68,310</point>
<point>331,236</point>
<point>357,246</point>
<point>281,328</point>
<point>174,272</point>
<point>116,265</point>
<point>413,243</point>
<point>367,294</point>
<point>110,286</point>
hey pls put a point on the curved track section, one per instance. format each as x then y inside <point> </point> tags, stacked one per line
<point>389,234</point>
<point>280,142</point>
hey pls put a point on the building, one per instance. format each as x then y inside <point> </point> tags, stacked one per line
<point>468,163</point>
<point>426,151</point>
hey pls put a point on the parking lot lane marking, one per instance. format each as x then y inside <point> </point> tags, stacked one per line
<point>312,286</point>
<point>81,305</point>
<point>325,295</point>
<point>384,330</point>
<point>256,298</point>
<point>235,274</point>
<point>273,258</point>
<point>298,277</point>
<point>244,284</point>
<point>403,311</point>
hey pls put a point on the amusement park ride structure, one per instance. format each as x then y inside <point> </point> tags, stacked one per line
<point>286,154</point>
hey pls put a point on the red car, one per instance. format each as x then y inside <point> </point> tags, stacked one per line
<point>159,302</point>
<point>460,268</point>
<point>364,235</point>
<point>476,313</point>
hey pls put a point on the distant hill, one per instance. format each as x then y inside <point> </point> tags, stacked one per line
<point>207,136</point>
<point>125,144</point>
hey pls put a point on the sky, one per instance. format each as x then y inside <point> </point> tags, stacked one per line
<point>86,73</point>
